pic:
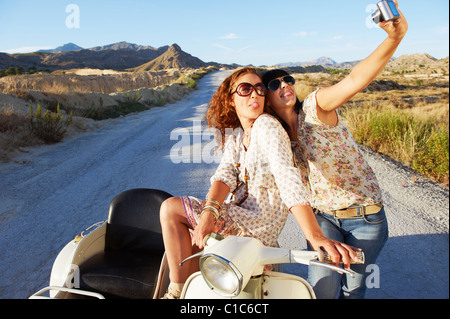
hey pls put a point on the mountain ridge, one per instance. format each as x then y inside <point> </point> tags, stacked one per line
<point>120,56</point>
<point>323,60</point>
<point>125,56</point>
<point>63,48</point>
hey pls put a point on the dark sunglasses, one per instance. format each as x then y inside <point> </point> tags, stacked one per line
<point>275,83</point>
<point>245,89</point>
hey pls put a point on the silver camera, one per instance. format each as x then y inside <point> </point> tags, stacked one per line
<point>386,11</point>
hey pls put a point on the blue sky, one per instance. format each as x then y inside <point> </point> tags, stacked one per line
<point>228,31</point>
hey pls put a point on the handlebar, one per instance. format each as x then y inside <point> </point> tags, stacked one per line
<point>272,255</point>
<point>326,258</point>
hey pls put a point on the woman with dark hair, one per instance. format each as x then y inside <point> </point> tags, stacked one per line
<point>257,168</point>
<point>344,191</point>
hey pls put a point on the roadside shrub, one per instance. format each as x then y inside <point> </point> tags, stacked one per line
<point>433,160</point>
<point>192,83</point>
<point>10,121</point>
<point>50,127</point>
<point>131,99</point>
<point>190,80</point>
<point>416,143</point>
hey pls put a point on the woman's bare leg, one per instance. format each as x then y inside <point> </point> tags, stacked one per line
<point>177,240</point>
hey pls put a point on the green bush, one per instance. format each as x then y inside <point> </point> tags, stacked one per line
<point>433,160</point>
<point>416,143</point>
<point>50,127</point>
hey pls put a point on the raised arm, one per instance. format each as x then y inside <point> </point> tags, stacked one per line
<point>332,97</point>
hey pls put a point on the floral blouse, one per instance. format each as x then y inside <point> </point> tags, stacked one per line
<point>329,159</point>
<point>274,183</point>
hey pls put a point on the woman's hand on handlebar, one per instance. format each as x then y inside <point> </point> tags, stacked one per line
<point>204,227</point>
<point>339,252</point>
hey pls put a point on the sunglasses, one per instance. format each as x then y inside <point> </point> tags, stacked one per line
<point>275,83</point>
<point>245,89</point>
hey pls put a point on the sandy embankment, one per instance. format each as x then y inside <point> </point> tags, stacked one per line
<point>78,90</point>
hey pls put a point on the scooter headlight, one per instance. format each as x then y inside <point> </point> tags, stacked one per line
<point>221,275</point>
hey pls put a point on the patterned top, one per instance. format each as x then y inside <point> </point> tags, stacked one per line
<point>274,181</point>
<point>338,174</point>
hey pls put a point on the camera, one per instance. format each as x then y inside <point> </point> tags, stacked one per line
<point>386,11</point>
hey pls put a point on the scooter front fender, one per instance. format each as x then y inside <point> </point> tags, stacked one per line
<point>278,285</point>
<point>271,285</point>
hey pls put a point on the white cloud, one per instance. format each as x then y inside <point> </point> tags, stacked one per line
<point>230,36</point>
<point>220,46</point>
<point>245,48</point>
<point>26,49</point>
<point>335,38</point>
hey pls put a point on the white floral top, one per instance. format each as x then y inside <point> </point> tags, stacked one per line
<point>274,183</point>
<point>330,159</point>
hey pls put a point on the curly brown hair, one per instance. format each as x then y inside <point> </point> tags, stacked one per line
<point>221,114</point>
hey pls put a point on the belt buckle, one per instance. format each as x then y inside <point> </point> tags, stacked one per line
<point>360,211</point>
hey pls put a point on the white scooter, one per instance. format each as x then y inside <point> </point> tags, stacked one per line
<point>123,257</point>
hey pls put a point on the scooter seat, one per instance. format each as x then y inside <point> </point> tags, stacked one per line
<point>121,274</point>
<point>129,265</point>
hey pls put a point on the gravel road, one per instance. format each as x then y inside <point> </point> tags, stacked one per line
<point>51,193</point>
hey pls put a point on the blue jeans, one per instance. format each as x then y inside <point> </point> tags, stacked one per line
<point>370,234</point>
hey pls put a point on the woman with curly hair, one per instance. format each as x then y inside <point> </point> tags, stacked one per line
<point>256,168</point>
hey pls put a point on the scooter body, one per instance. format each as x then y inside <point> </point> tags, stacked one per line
<point>237,268</point>
<point>109,258</point>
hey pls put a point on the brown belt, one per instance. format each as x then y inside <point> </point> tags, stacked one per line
<point>355,211</point>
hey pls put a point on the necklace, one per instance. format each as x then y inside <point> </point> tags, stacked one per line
<point>237,167</point>
<point>247,137</point>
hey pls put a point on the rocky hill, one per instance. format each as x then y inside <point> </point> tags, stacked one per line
<point>419,63</point>
<point>64,48</point>
<point>173,58</point>
<point>126,46</point>
<point>24,61</point>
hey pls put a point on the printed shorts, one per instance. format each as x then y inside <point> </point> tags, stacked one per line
<point>225,225</point>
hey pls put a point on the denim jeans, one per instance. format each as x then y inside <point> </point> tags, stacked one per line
<point>369,233</point>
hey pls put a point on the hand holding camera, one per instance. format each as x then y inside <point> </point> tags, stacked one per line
<point>391,19</point>
<point>386,11</point>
